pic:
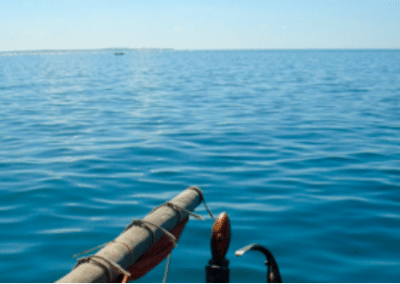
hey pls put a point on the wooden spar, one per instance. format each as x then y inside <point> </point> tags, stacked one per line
<point>138,239</point>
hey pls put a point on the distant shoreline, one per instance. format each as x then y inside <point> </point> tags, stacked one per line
<point>193,50</point>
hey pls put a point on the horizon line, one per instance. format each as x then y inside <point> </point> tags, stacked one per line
<point>188,49</point>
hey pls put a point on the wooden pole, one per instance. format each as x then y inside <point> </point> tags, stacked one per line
<point>137,238</point>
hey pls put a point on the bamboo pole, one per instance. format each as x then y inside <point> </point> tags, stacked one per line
<point>137,238</point>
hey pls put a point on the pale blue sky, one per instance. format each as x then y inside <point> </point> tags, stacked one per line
<point>202,24</point>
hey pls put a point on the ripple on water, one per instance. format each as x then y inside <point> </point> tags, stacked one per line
<point>303,155</point>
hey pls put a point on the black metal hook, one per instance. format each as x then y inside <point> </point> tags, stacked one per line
<point>273,274</point>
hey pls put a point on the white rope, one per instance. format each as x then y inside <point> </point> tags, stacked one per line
<point>166,268</point>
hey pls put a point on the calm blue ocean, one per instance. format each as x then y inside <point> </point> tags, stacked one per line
<point>300,148</point>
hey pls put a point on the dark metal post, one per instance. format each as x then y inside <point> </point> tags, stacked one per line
<point>217,270</point>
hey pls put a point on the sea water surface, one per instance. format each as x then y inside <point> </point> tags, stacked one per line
<point>300,148</point>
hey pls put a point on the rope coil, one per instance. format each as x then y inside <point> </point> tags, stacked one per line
<point>202,199</point>
<point>111,263</point>
<point>143,223</point>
